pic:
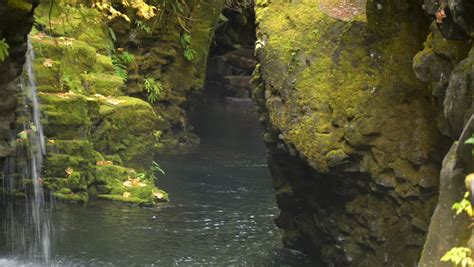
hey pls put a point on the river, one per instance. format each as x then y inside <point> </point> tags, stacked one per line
<point>220,214</point>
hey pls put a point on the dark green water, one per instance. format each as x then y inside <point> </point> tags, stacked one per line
<point>221,211</point>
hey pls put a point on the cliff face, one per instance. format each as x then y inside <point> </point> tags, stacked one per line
<point>16,19</point>
<point>354,147</point>
<point>160,54</point>
<point>100,125</point>
<point>447,63</point>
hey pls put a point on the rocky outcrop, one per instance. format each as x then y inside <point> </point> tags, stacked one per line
<point>458,23</point>
<point>447,231</point>
<point>99,140</point>
<point>160,54</point>
<point>446,63</point>
<point>95,78</point>
<point>16,19</point>
<point>354,146</point>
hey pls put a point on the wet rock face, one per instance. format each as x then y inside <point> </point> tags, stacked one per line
<point>351,130</point>
<point>447,231</point>
<point>459,23</point>
<point>16,19</point>
<point>446,63</point>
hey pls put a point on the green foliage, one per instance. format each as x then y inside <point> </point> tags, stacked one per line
<point>121,62</point>
<point>459,256</point>
<point>463,205</point>
<point>153,88</point>
<point>66,82</point>
<point>142,26</point>
<point>112,34</point>
<point>189,53</point>
<point>3,50</point>
<point>155,169</point>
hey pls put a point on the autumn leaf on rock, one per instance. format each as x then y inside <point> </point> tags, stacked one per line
<point>114,102</point>
<point>69,171</point>
<point>159,195</point>
<point>440,16</point>
<point>48,63</point>
<point>104,163</point>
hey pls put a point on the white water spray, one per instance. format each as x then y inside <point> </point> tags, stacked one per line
<point>29,231</point>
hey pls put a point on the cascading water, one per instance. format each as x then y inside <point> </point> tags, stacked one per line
<point>29,232</point>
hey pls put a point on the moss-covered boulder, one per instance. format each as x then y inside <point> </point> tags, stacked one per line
<point>92,130</point>
<point>351,130</point>
<point>126,128</point>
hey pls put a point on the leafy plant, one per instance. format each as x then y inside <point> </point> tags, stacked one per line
<point>142,26</point>
<point>155,169</point>
<point>121,62</point>
<point>153,88</point>
<point>189,53</point>
<point>459,256</point>
<point>463,205</point>
<point>3,50</point>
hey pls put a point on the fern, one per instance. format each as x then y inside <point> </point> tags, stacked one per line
<point>120,62</point>
<point>189,53</point>
<point>3,50</point>
<point>142,26</point>
<point>153,88</point>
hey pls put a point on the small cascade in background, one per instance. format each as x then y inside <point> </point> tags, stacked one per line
<point>29,230</point>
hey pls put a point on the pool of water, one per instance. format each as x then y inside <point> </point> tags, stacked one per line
<point>221,210</point>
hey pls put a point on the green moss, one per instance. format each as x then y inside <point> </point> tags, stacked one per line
<point>81,197</point>
<point>104,84</point>
<point>47,75</point>
<point>104,65</point>
<point>131,200</point>
<point>68,116</point>
<point>21,5</point>
<point>320,64</point>
<point>79,57</point>
<point>127,130</point>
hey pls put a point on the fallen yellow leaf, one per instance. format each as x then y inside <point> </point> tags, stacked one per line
<point>48,63</point>
<point>69,171</point>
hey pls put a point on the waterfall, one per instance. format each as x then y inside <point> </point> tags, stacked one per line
<point>29,224</point>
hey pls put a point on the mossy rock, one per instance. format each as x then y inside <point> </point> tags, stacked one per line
<point>104,65</point>
<point>341,99</point>
<point>47,75</point>
<point>80,148</point>
<point>68,116</point>
<point>126,129</point>
<point>104,84</point>
<point>72,197</point>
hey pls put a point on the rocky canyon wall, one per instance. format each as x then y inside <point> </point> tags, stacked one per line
<point>16,20</point>
<point>355,151</point>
